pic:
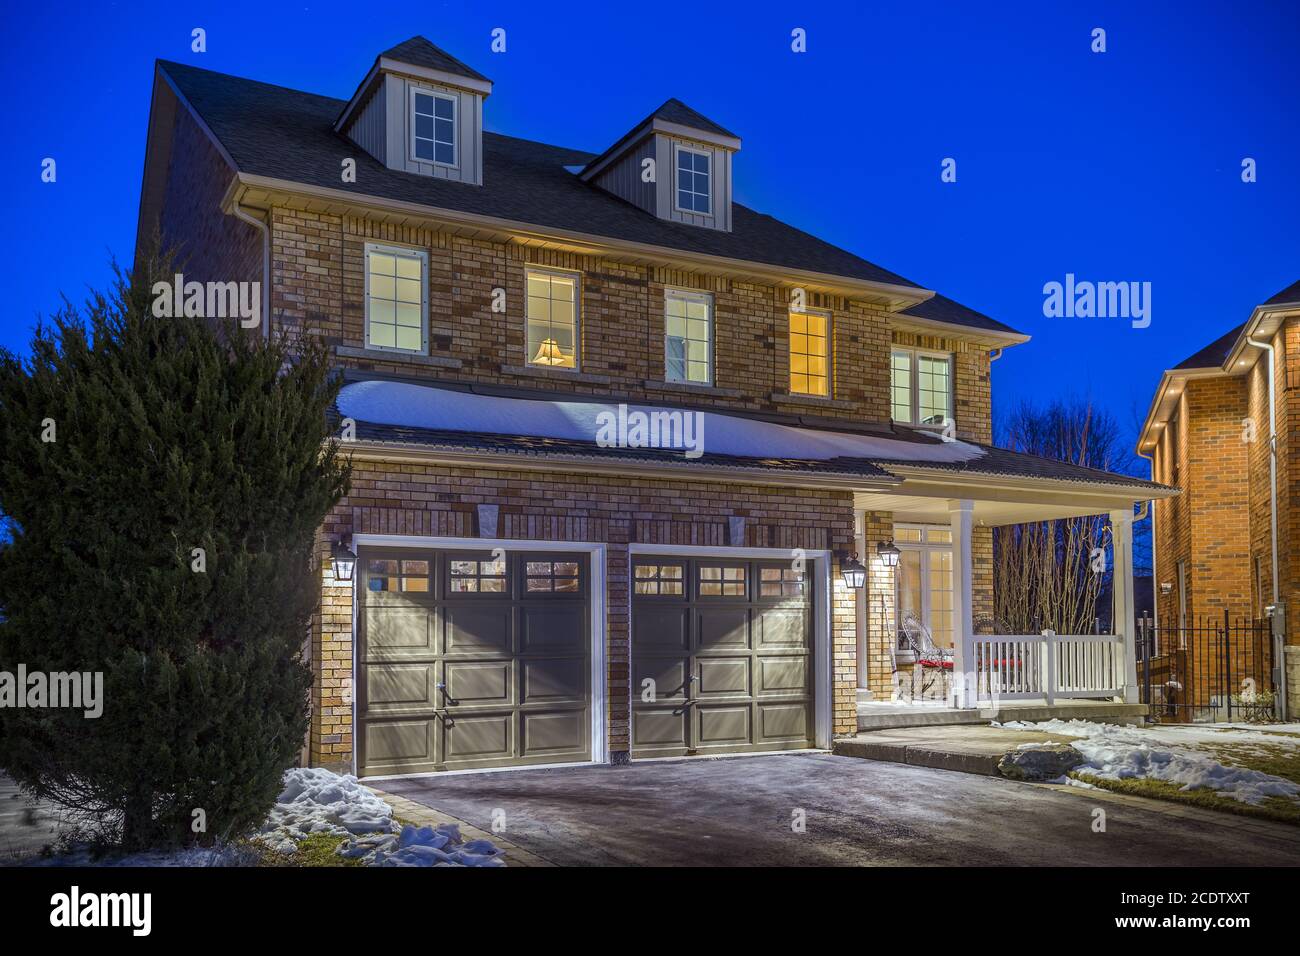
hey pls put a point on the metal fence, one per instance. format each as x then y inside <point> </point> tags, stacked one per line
<point>1214,670</point>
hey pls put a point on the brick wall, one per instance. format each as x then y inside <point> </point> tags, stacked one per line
<point>389,498</point>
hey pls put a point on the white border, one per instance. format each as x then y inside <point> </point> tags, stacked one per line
<point>398,252</point>
<point>707,154</point>
<point>691,295</point>
<point>823,696</point>
<point>596,589</point>
<point>455,126</point>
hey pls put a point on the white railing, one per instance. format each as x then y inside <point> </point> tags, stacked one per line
<point>1048,666</point>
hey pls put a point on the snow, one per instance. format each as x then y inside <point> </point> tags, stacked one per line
<point>81,855</point>
<point>1174,754</point>
<point>423,846</point>
<point>420,406</point>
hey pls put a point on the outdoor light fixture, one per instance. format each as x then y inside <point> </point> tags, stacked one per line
<point>888,552</point>
<point>855,574</point>
<point>344,560</point>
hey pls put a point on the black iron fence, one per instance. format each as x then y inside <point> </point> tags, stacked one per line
<point>1214,670</point>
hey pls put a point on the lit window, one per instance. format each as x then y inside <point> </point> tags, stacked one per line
<point>395,575</point>
<point>396,298</point>
<point>925,582</point>
<point>477,577</point>
<point>552,320</point>
<point>920,387</point>
<point>657,579</point>
<point>688,343</point>
<point>780,582</point>
<point>693,181</point>
<point>433,127</point>
<point>722,581</point>
<point>809,353</point>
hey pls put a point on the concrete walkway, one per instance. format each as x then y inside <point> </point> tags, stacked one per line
<point>965,749</point>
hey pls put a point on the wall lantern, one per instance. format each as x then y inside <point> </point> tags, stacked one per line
<point>344,560</point>
<point>855,574</point>
<point>888,552</point>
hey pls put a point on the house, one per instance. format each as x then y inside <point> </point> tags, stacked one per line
<point>622,446</point>
<point>1224,427</point>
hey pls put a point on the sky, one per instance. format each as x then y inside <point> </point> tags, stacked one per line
<point>1115,166</point>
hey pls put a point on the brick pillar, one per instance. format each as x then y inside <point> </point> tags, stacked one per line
<point>882,627</point>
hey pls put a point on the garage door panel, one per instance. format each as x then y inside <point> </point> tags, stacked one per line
<point>399,632</point>
<point>723,677</point>
<point>782,675</point>
<point>479,682</point>
<point>515,662</point>
<point>661,729</point>
<point>553,629</point>
<point>661,630</point>
<point>668,673</point>
<point>555,735</point>
<point>782,722</point>
<point>478,630</point>
<point>724,629</point>
<point>392,686</point>
<point>557,680</point>
<point>781,628</point>
<point>724,726</point>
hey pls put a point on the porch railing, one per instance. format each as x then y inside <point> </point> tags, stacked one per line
<point>1048,666</point>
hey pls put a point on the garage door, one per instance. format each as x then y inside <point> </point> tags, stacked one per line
<point>721,656</point>
<point>469,659</point>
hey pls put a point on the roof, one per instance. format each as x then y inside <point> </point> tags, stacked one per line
<point>420,52</point>
<point>1214,354</point>
<point>1015,464</point>
<point>287,134</point>
<point>675,111</point>
<point>1290,294</point>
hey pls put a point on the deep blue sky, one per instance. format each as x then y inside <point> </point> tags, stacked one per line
<point>1116,166</point>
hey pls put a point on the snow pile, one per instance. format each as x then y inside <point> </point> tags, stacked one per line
<point>314,800</point>
<point>1171,754</point>
<point>423,846</point>
<point>419,406</point>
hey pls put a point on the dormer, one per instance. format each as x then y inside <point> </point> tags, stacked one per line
<point>420,110</point>
<point>676,165</point>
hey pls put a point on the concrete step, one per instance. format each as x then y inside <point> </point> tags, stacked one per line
<point>961,749</point>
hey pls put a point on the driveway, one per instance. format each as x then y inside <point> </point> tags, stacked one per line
<point>739,811</point>
<point>25,827</point>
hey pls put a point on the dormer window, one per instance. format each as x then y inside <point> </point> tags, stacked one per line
<point>693,178</point>
<point>433,127</point>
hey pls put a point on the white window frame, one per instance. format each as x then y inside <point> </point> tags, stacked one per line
<point>678,149</point>
<point>826,353</point>
<point>690,295</point>
<point>455,126</point>
<point>577,317</point>
<point>408,252</point>
<point>926,548</point>
<point>914,369</point>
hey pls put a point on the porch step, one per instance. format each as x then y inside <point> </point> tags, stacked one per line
<point>879,716</point>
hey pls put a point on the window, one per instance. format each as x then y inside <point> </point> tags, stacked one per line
<point>433,127</point>
<point>920,387</point>
<point>551,576</point>
<point>397,298</point>
<point>780,582</point>
<point>810,353</point>
<point>688,343</point>
<point>925,580</point>
<point>477,576</point>
<point>718,581</point>
<point>657,579</point>
<point>552,333</point>
<point>693,181</point>
<point>395,575</point>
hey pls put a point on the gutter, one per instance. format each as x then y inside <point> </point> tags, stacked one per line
<point>265,230</point>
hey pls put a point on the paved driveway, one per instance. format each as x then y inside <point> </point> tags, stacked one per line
<point>738,811</point>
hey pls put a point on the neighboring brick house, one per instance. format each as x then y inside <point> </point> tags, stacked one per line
<point>1231,540</point>
<point>527,593</point>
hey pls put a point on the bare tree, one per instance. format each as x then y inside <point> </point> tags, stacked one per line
<point>1050,574</point>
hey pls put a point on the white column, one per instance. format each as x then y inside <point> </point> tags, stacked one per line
<point>963,624</point>
<point>1121,524</point>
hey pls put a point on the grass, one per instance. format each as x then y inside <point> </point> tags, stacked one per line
<point>1278,809</point>
<point>317,850</point>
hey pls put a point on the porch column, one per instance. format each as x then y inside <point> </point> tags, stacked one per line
<point>963,624</point>
<point>1122,613</point>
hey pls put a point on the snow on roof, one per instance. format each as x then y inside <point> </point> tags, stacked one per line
<point>422,406</point>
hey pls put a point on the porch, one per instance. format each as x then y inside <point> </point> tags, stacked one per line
<point>927,651</point>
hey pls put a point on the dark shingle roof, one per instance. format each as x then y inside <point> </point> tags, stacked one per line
<point>940,308</point>
<point>1003,461</point>
<point>420,52</point>
<point>675,111</point>
<point>288,134</point>
<point>1290,294</point>
<point>1214,354</point>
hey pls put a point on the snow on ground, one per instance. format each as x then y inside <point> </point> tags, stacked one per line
<point>423,846</point>
<point>1180,754</point>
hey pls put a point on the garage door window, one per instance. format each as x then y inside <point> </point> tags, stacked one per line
<point>658,579</point>
<point>478,577</point>
<point>780,582</point>
<point>724,581</point>
<point>551,576</point>
<point>394,575</point>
